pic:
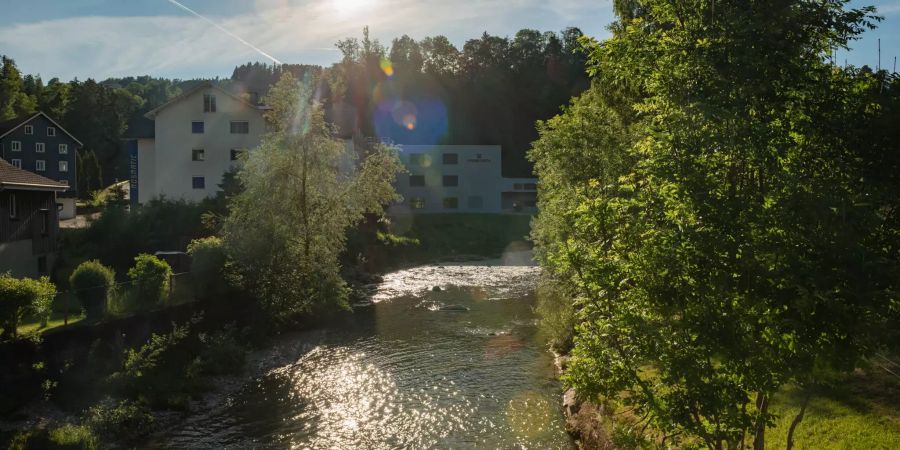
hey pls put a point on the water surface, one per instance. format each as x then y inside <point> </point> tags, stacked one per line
<point>404,373</point>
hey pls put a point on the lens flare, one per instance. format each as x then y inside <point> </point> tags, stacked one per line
<point>387,67</point>
<point>409,121</point>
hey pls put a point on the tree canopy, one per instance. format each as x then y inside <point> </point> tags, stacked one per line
<point>719,202</point>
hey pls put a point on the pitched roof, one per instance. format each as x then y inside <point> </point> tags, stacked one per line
<point>205,85</point>
<point>14,178</point>
<point>11,124</point>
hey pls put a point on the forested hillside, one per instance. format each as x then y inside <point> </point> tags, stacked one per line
<point>491,91</point>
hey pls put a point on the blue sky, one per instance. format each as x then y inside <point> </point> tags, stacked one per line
<point>105,38</point>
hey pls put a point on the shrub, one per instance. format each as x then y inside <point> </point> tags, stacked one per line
<point>150,280</point>
<point>68,437</point>
<point>93,283</point>
<point>557,312</point>
<point>123,421</point>
<point>207,265</point>
<point>221,353</point>
<point>18,296</point>
<point>42,294</point>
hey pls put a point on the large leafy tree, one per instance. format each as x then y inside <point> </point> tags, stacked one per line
<point>302,190</point>
<point>719,201</point>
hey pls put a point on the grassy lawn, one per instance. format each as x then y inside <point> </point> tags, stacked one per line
<point>30,325</point>
<point>862,412</point>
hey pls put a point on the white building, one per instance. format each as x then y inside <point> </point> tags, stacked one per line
<point>197,137</point>
<point>461,178</point>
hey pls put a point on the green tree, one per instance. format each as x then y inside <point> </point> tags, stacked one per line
<point>93,283</point>
<point>15,299</point>
<point>150,278</point>
<point>207,265</point>
<point>43,292</point>
<point>14,101</point>
<point>303,190</point>
<point>713,206</point>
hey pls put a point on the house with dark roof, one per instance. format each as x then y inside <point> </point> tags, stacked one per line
<point>38,144</point>
<point>29,221</point>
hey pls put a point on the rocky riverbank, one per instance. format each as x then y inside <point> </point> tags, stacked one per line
<point>584,419</point>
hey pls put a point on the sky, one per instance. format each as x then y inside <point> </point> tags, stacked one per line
<point>113,38</point>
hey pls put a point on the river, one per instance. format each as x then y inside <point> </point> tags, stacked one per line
<point>405,372</point>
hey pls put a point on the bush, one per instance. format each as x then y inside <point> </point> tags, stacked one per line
<point>122,421</point>
<point>150,280</point>
<point>18,296</point>
<point>221,353</point>
<point>93,283</point>
<point>557,312</point>
<point>43,292</point>
<point>68,437</point>
<point>207,265</point>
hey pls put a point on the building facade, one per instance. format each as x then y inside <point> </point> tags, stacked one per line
<point>29,221</point>
<point>38,144</point>
<point>461,178</point>
<point>197,137</point>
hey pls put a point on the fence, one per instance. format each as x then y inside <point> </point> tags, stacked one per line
<point>122,300</point>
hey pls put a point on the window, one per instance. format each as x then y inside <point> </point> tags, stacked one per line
<point>451,180</point>
<point>63,166</point>
<point>17,163</point>
<point>51,131</point>
<point>530,203</point>
<point>420,160</point>
<point>15,146</point>
<point>451,203</point>
<point>197,127</point>
<point>240,127</point>
<point>63,149</point>
<point>40,165</point>
<point>209,103</point>
<point>451,158</point>
<point>65,182</point>
<point>237,154</point>
<point>198,154</point>
<point>29,130</point>
<point>476,202</point>
<point>13,210</point>
<point>416,203</point>
<point>199,182</point>
<point>416,180</point>
<point>45,221</point>
<point>39,147</point>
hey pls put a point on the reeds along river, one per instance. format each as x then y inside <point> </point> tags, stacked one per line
<point>458,368</point>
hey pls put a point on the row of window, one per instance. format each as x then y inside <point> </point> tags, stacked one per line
<point>237,127</point>
<point>29,130</point>
<point>424,159</point>
<point>199,154</point>
<point>39,147</point>
<point>447,181</point>
<point>40,165</point>
<point>474,202</point>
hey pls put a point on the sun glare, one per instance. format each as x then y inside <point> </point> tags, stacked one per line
<point>350,6</point>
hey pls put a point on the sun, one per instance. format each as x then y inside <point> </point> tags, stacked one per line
<point>350,6</point>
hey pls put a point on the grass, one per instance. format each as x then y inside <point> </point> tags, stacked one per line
<point>57,319</point>
<point>862,412</point>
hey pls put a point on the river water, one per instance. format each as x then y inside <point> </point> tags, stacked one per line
<point>459,368</point>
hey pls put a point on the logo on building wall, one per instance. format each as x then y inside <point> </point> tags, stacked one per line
<point>478,159</point>
<point>133,172</point>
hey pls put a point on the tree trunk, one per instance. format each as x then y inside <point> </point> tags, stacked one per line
<point>759,439</point>
<point>796,421</point>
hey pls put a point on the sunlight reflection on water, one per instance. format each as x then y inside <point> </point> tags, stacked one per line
<point>401,375</point>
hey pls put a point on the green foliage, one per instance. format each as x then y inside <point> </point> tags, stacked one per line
<point>21,296</point>
<point>303,190</point>
<point>156,372</point>
<point>66,437</point>
<point>557,314</point>
<point>221,353</point>
<point>120,421</point>
<point>720,208</point>
<point>93,283</point>
<point>150,278</point>
<point>207,265</point>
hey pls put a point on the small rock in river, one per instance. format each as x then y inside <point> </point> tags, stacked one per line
<point>436,289</point>
<point>453,308</point>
